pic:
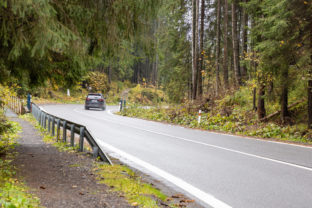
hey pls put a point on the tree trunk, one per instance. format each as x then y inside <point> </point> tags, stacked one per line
<point>284,96</point>
<point>310,85</point>
<point>201,63</point>
<point>197,45</point>
<point>235,44</point>
<point>244,41</point>
<point>253,66</point>
<point>156,70</point>
<point>254,99</point>
<point>109,74</point>
<point>218,39</point>
<point>261,107</point>
<point>138,73</point>
<point>310,100</point>
<point>225,47</point>
<point>194,48</point>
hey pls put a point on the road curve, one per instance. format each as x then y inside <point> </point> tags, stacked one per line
<point>219,170</point>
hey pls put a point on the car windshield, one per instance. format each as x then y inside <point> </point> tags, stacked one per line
<point>94,96</point>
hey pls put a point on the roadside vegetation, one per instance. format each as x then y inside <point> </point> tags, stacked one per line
<point>232,114</point>
<point>123,180</point>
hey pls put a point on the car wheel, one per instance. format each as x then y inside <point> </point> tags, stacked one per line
<point>103,108</point>
<point>86,108</point>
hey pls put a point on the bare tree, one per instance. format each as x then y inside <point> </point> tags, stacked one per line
<point>194,47</point>
<point>225,46</point>
<point>218,40</point>
<point>244,40</point>
<point>235,44</point>
<point>284,96</point>
<point>201,49</point>
<point>310,86</point>
<point>261,104</point>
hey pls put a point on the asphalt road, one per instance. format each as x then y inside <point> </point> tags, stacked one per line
<point>219,170</point>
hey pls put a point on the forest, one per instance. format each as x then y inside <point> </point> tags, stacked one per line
<point>238,67</point>
<point>249,59</point>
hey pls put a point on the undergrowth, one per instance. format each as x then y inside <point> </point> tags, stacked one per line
<point>231,114</point>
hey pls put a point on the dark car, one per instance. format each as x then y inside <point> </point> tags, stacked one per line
<point>95,100</point>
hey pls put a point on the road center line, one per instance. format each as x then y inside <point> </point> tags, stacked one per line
<point>205,144</point>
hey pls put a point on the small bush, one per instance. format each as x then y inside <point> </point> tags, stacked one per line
<point>145,95</point>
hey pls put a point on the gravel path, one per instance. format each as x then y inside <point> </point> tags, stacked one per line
<point>60,179</point>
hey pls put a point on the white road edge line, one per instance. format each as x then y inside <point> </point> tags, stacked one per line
<point>203,196</point>
<point>210,145</point>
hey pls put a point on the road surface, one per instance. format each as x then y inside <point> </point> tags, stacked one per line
<point>217,169</point>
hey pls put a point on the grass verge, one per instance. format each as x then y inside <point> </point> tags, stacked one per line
<point>236,123</point>
<point>123,180</point>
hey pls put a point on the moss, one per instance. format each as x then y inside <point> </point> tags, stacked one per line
<point>125,181</point>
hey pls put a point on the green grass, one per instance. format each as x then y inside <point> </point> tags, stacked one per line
<point>125,181</point>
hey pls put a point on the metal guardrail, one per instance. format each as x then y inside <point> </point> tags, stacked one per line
<point>17,105</point>
<point>54,124</point>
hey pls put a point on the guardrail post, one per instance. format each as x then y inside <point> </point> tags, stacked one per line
<point>72,135</point>
<point>14,104</point>
<point>36,113</point>
<point>20,107</point>
<point>64,131</point>
<point>42,116</point>
<point>53,126</point>
<point>45,120</point>
<point>120,105</point>
<point>81,140</point>
<point>95,152</point>
<point>49,123</point>
<point>39,117</point>
<point>58,123</point>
